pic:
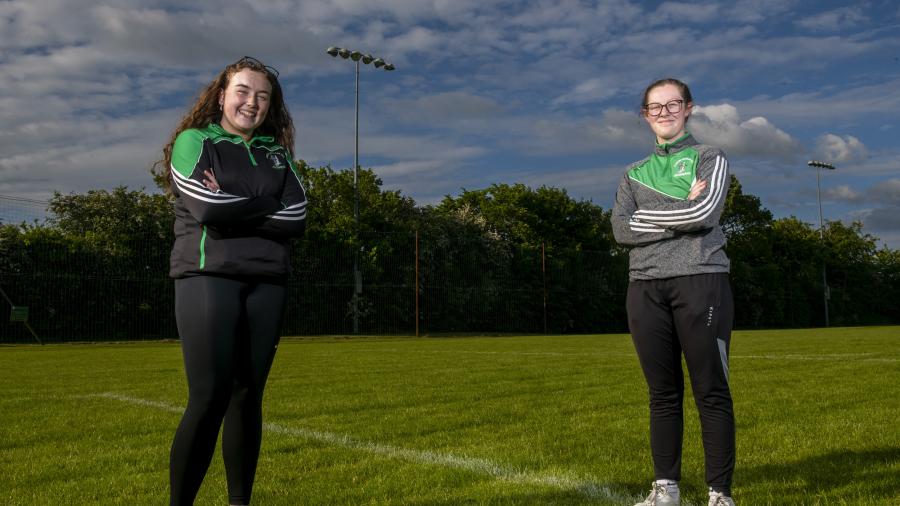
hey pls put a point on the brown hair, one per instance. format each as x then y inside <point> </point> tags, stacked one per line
<point>277,124</point>
<point>683,88</point>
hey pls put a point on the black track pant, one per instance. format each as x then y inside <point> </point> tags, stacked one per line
<point>229,331</point>
<point>691,315</point>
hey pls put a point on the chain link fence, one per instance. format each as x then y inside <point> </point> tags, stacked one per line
<point>85,288</point>
<point>82,290</point>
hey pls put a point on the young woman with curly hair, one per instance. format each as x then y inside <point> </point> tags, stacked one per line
<point>238,201</point>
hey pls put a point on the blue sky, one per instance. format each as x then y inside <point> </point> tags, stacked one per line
<point>537,92</point>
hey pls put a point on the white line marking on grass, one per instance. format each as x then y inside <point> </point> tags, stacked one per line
<point>858,357</point>
<point>849,357</point>
<point>140,402</point>
<point>502,472</point>
<point>511,353</point>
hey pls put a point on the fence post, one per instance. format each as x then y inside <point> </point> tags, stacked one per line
<point>544,281</point>
<point>417,283</point>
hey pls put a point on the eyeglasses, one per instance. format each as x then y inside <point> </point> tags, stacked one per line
<point>258,65</point>
<point>655,108</point>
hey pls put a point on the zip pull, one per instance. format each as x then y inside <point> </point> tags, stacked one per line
<point>250,154</point>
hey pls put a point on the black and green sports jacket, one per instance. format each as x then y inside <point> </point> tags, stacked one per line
<point>243,228</point>
<point>672,236</point>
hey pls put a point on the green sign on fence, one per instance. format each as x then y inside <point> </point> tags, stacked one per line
<point>18,314</point>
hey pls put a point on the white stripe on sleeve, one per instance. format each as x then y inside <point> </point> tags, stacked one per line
<point>694,214</point>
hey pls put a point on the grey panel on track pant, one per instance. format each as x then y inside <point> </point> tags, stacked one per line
<point>691,315</point>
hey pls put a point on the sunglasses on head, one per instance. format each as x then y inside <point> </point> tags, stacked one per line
<point>254,63</point>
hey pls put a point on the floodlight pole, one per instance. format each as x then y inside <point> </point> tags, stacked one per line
<point>825,292</point>
<point>356,56</point>
<point>357,276</point>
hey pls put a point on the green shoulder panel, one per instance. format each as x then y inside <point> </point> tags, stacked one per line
<point>671,175</point>
<point>293,165</point>
<point>187,150</point>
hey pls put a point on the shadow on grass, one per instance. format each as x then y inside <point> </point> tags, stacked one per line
<point>548,498</point>
<point>868,470</point>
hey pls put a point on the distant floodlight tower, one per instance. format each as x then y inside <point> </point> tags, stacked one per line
<point>825,292</point>
<point>357,56</point>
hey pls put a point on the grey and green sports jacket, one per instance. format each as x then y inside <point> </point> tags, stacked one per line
<point>242,229</point>
<point>672,236</point>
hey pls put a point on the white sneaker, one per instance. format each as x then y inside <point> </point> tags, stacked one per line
<point>719,499</point>
<point>659,496</point>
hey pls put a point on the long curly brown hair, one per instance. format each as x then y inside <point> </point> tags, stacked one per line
<point>278,122</point>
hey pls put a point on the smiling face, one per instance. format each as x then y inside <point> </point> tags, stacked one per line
<point>667,126</point>
<point>245,102</point>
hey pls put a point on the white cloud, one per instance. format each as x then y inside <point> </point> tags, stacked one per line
<point>572,13</point>
<point>448,107</point>
<point>616,130</point>
<point>595,89</point>
<point>597,184</point>
<point>544,41</point>
<point>887,192</point>
<point>411,168</point>
<point>325,136</point>
<point>417,39</point>
<point>669,13</point>
<point>881,215</point>
<point>28,24</point>
<point>883,219</point>
<point>756,11</point>
<point>836,19</point>
<point>833,148</point>
<point>535,91</point>
<point>721,126</point>
<point>521,128</point>
<point>109,152</point>
<point>844,193</point>
<point>404,11</point>
<point>853,104</point>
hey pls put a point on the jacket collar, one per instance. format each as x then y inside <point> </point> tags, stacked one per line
<point>677,145</point>
<point>257,139</point>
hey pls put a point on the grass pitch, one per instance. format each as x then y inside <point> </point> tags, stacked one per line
<point>476,420</point>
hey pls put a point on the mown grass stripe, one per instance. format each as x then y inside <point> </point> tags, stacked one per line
<point>859,357</point>
<point>587,488</point>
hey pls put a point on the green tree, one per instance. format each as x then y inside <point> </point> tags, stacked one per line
<point>884,295</point>
<point>797,249</point>
<point>754,271</point>
<point>332,197</point>
<point>549,247</point>
<point>527,216</point>
<point>121,221</point>
<point>743,214</point>
<point>852,272</point>
<point>383,244</point>
<point>97,268</point>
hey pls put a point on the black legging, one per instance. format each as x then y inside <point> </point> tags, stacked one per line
<point>229,332</point>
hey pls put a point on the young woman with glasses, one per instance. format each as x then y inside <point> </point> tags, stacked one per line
<point>238,200</point>
<point>679,299</point>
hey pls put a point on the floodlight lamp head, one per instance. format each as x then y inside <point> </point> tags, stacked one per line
<point>367,59</point>
<point>355,55</point>
<point>389,66</point>
<point>345,53</point>
<point>821,165</point>
<point>333,51</point>
<point>378,62</point>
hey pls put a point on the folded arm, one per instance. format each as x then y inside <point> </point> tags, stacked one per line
<point>626,229</point>
<point>290,221</point>
<point>701,213</point>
